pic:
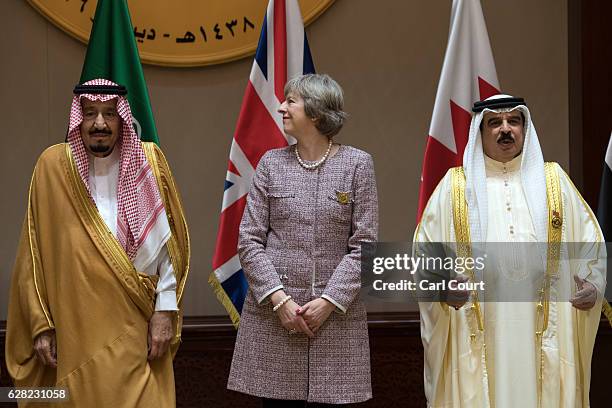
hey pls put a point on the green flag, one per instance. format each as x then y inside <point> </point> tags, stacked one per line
<point>112,54</point>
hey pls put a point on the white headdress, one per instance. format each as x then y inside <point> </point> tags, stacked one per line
<point>533,179</point>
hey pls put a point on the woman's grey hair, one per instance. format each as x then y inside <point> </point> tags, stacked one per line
<point>323,101</point>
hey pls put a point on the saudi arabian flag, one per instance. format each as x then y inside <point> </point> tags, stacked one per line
<point>112,54</point>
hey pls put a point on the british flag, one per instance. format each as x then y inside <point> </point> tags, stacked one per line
<point>282,53</point>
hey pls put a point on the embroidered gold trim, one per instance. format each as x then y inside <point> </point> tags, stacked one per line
<point>555,221</point>
<point>42,304</point>
<point>462,235</point>
<point>166,186</point>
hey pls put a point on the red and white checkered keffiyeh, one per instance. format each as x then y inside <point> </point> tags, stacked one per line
<point>142,225</point>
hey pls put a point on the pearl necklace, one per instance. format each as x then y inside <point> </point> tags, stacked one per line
<point>316,163</point>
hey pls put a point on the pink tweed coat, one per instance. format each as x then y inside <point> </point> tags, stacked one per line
<point>301,231</point>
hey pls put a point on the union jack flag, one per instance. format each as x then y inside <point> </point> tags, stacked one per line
<point>282,53</point>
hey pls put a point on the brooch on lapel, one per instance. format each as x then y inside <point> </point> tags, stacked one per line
<point>343,197</point>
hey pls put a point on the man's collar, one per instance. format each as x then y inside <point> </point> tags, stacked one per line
<point>499,167</point>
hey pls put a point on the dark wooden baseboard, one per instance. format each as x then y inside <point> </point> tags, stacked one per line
<point>201,366</point>
<point>203,361</point>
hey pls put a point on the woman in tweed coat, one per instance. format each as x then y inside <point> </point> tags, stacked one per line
<point>303,332</point>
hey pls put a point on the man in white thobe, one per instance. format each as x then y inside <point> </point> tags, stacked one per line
<point>526,353</point>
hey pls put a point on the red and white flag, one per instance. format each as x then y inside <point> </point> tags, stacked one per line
<point>468,75</point>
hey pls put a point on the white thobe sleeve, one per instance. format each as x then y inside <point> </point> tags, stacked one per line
<point>166,286</point>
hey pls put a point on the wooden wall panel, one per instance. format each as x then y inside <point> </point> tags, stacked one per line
<point>202,364</point>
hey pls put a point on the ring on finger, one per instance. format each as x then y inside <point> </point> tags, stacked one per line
<point>292,331</point>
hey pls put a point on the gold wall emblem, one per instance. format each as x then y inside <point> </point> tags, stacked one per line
<point>180,33</point>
